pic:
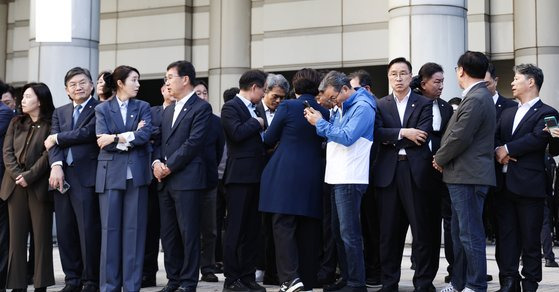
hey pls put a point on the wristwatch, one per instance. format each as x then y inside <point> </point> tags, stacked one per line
<point>116,138</point>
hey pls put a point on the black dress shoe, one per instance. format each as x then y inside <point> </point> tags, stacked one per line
<point>19,290</point>
<point>447,278</point>
<point>169,288</point>
<point>253,286</point>
<point>90,288</point>
<point>372,282</point>
<point>209,277</point>
<point>510,284</point>
<point>71,288</point>
<point>393,288</point>
<point>339,284</point>
<point>236,286</point>
<point>551,264</point>
<point>148,281</point>
<point>185,289</point>
<point>488,278</point>
<point>42,289</point>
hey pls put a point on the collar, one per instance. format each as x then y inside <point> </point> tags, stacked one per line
<point>83,103</point>
<point>406,98</point>
<point>247,102</point>
<point>465,92</point>
<point>180,103</point>
<point>120,103</point>
<point>266,108</point>
<point>530,103</point>
<point>495,97</point>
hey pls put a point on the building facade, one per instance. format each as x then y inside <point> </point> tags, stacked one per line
<point>223,38</point>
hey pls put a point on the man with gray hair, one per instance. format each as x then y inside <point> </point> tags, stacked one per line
<point>277,88</point>
<point>350,137</point>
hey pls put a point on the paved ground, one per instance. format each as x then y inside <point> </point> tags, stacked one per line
<point>550,275</point>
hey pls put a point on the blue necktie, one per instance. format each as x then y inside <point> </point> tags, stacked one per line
<point>75,116</point>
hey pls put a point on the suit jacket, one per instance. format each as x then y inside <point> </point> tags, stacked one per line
<point>113,162</point>
<point>156,116</point>
<point>446,112</point>
<point>213,151</point>
<point>245,149</point>
<point>419,115</point>
<point>182,145</point>
<point>34,166</point>
<point>261,112</point>
<point>467,146</point>
<point>292,180</point>
<point>526,176</point>
<point>81,139</point>
<point>6,115</point>
<point>502,104</point>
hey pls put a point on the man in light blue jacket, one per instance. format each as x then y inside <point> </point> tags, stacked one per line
<point>350,137</point>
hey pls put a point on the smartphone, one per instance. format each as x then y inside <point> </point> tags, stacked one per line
<point>65,188</point>
<point>551,123</point>
<point>306,104</point>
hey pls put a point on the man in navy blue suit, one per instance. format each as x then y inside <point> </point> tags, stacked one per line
<point>245,161</point>
<point>402,175</point>
<point>73,158</point>
<point>6,115</point>
<point>521,146</point>
<point>179,165</point>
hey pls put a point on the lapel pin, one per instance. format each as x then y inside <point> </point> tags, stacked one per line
<point>184,110</point>
<point>412,105</point>
<point>131,116</point>
<point>499,105</point>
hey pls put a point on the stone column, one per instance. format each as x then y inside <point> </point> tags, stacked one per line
<point>429,31</point>
<point>229,49</point>
<point>3,37</point>
<point>49,62</point>
<point>536,41</point>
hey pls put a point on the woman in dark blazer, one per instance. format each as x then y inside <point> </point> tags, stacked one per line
<point>291,185</point>
<point>25,188</point>
<point>123,127</point>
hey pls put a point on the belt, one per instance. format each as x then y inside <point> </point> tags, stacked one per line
<point>402,157</point>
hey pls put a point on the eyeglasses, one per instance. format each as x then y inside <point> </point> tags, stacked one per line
<point>335,97</point>
<point>280,97</point>
<point>74,85</point>
<point>168,78</point>
<point>398,74</point>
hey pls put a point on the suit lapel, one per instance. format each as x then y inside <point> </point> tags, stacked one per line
<point>508,120</point>
<point>116,116</point>
<point>390,99</point>
<point>261,112</point>
<point>131,115</point>
<point>87,108</point>
<point>185,110</point>
<point>410,107</point>
<point>244,108</point>
<point>166,121</point>
<point>534,109</point>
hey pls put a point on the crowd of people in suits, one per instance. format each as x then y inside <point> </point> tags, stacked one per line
<point>318,190</point>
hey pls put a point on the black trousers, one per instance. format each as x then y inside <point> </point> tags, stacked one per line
<point>240,245</point>
<point>152,233</point>
<point>328,255</point>
<point>401,204</point>
<point>4,242</point>
<point>519,221</point>
<point>297,240</point>
<point>220,222</point>
<point>371,234</point>
<point>446,215</point>
<point>266,259</point>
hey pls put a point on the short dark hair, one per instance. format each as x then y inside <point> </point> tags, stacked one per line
<point>230,93</point>
<point>119,73</point>
<point>306,81</point>
<point>364,78</point>
<point>428,70</point>
<point>4,87</point>
<point>252,77</point>
<point>201,82</point>
<point>45,99</point>
<point>455,100</point>
<point>530,71</point>
<point>76,71</point>
<point>491,70</point>
<point>474,64</point>
<point>399,60</point>
<point>185,68</point>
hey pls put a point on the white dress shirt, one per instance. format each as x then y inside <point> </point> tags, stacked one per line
<point>179,104</point>
<point>269,114</point>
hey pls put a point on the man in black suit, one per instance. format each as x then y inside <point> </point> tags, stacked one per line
<point>179,165</point>
<point>501,102</point>
<point>521,146</point>
<point>151,251</point>
<point>6,115</point>
<point>430,83</point>
<point>245,161</point>
<point>73,158</point>
<point>213,151</point>
<point>402,176</point>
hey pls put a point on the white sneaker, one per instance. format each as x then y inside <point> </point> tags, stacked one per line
<point>294,285</point>
<point>259,275</point>
<point>449,288</point>
<point>468,290</point>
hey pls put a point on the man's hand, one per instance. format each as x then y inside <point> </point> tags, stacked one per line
<point>50,141</point>
<point>437,166</point>
<point>104,140</point>
<point>56,179</point>
<point>21,181</point>
<point>415,135</point>
<point>141,124</point>
<point>502,156</point>
<point>160,171</point>
<point>260,121</point>
<point>312,115</point>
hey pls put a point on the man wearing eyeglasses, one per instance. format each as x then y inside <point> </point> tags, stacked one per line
<point>178,163</point>
<point>73,152</point>
<point>402,177</point>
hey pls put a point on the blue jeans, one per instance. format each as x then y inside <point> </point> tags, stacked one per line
<point>468,236</point>
<point>346,228</point>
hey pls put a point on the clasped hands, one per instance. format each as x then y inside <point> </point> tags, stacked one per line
<point>160,170</point>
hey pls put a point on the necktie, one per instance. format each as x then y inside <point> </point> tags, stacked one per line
<point>75,116</point>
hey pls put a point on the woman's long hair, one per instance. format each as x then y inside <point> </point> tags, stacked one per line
<point>45,100</point>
